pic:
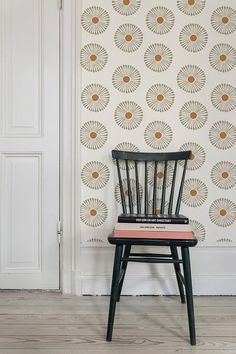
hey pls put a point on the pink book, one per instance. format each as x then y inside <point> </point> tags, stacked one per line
<point>179,235</point>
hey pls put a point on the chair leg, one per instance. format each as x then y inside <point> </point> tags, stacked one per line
<point>189,294</point>
<point>123,270</point>
<point>114,290</point>
<point>174,253</point>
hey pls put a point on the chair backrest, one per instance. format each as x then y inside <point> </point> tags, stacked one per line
<point>162,175</point>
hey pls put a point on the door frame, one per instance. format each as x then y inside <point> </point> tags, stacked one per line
<point>70,282</point>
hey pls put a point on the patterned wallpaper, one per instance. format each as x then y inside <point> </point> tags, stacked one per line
<point>159,75</point>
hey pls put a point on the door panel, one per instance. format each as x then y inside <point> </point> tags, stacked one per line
<point>22,47</point>
<point>22,181</point>
<point>29,143</point>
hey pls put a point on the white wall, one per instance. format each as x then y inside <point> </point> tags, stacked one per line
<point>214,270</point>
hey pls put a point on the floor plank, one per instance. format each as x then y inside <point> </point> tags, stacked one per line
<point>43,322</point>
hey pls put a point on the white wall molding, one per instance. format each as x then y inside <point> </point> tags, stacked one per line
<point>68,145</point>
<point>78,249</point>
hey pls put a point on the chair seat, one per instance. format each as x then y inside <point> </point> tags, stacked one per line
<point>156,238</point>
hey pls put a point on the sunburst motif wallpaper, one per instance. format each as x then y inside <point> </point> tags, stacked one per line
<point>159,75</point>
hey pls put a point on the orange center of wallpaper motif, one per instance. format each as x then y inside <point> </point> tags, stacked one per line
<point>191,79</point>
<point>128,38</point>
<point>225,174</point>
<point>93,57</point>
<point>95,97</point>
<point>158,57</point>
<point>193,37</point>
<point>158,135</point>
<point>93,212</point>
<point>223,135</point>
<point>126,79</point>
<point>193,192</point>
<point>193,115</point>
<point>223,57</point>
<point>160,174</point>
<point>95,174</point>
<point>223,212</point>
<point>225,19</point>
<point>160,20</point>
<point>225,97</point>
<point>160,97</point>
<point>128,115</point>
<point>95,20</point>
<point>93,135</point>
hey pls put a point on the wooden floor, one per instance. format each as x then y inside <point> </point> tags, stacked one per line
<point>51,323</point>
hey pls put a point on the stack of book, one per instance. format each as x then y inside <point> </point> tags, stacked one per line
<point>153,226</point>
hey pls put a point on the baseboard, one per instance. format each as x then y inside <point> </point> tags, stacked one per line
<point>136,285</point>
<point>213,272</point>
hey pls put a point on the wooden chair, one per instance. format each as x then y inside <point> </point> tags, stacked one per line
<point>173,169</point>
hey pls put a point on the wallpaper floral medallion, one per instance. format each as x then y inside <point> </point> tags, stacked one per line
<point>159,75</point>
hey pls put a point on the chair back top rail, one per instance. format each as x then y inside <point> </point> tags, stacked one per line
<point>151,156</point>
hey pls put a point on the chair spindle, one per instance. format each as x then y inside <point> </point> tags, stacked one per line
<point>146,190</point>
<point>170,208</point>
<point>163,195</point>
<point>129,188</point>
<point>122,195</point>
<point>181,189</point>
<point>154,199</point>
<point>137,187</point>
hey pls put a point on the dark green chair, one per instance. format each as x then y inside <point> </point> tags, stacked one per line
<point>132,167</point>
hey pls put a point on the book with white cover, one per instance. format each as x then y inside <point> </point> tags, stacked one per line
<point>152,227</point>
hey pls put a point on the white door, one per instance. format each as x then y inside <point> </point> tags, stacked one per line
<point>29,144</point>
